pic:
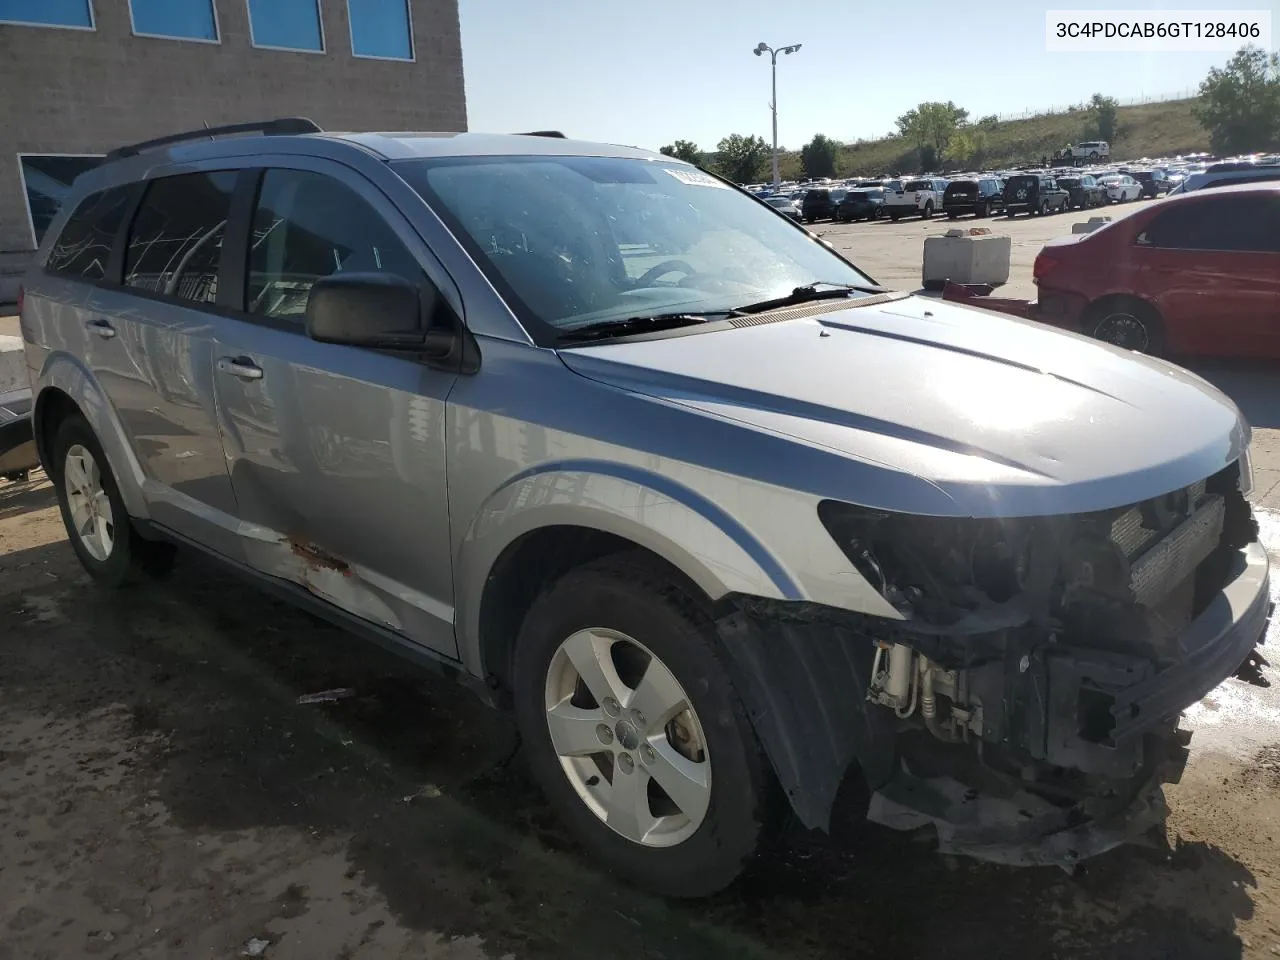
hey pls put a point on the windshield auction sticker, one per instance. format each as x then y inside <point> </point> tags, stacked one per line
<point>1155,31</point>
<point>695,178</point>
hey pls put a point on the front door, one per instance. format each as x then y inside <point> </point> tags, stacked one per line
<point>336,453</point>
<point>150,347</point>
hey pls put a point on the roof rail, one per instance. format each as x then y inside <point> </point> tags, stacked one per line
<point>542,133</point>
<point>278,127</point>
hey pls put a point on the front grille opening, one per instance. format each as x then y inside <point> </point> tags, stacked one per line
<point>1094,717</point>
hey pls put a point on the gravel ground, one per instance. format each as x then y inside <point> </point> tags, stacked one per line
<point>163,795</point>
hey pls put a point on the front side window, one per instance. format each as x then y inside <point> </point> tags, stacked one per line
<point>48,13</point>
<point>47,182</point>
<point>381,29</point>
<point>577,241</point>
<point>308,226</point>
<point>175,19</point>
<point>83,249</point>
<point>286,24</point>
<point>175,242</point>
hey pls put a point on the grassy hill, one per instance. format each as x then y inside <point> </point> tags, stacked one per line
<point>1145,130</point>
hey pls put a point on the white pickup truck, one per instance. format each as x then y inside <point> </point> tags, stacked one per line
<point>920,197</point>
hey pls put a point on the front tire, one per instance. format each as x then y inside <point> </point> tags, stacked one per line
<point>633,728</point>
<point>109,547</point>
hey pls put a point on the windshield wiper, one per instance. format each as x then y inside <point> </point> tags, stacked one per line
<point>817,290</point>
<point>630,325</point>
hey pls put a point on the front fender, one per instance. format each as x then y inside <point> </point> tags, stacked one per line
<point>65,372</point>
<point>675,522</point>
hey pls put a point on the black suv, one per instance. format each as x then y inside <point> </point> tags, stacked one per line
<point>979,197</point>
<point>1034,193</point>
<point>819,204</point>
<point>865,204</point>
<point>1154,182</point>
<point>1083,191</point>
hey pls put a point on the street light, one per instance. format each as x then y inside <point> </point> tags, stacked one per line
<point>761,48</point>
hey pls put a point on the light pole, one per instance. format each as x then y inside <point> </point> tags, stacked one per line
<point>773,105</point>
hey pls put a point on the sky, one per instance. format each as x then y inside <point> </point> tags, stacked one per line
<point>645,74</point>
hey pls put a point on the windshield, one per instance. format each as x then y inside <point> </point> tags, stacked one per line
<point>572,242</point>
<point>779,202</point>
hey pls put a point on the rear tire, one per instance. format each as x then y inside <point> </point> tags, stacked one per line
<point>98,525</point>
<point>1126,322</point>
<point>1044,208</point>
<point>980,211</point>
<point>618,616</point>
<point>927,212</point>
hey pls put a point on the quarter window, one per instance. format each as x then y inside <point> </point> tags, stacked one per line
<point>380,28</point>
<point>175,19</point>
<point>308,226</point>
<point>286,24</point>
<point>1234,224</point>
<point>48,13</point>
<point>175,244</point>
<point>83,249</point>
<point>47,182</point>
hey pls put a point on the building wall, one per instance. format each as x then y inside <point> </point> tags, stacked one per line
<point>76,91</point>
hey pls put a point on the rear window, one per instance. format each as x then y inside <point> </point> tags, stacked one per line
<point>175,243</point>
<point>1025,181</point>
<point>1069,182</point>
<point>962,186</point>
<point>919,185</point>
<point>83,248</point>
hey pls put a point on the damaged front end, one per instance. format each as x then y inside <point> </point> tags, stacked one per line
<point>1027,703</point>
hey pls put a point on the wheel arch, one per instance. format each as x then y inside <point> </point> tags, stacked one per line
<point>1093,313</point>
<point>544,522</point>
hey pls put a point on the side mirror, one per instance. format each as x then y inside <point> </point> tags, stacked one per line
<point>376,310</point>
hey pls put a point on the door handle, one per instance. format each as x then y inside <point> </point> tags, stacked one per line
<point>102,328</point>
<point>241,367</point>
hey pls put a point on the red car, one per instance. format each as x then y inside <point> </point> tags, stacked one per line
<point>1196,274</point>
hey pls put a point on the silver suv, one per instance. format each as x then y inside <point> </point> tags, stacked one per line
<point>729,526</point>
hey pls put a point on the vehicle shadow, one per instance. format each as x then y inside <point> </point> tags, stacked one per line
<point>1253,385</point>
<point>25,496</point>
<point>427,790</point>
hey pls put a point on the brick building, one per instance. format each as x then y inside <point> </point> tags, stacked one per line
<point>79,77</point>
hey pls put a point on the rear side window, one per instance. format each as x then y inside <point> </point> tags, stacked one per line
<point>308,226</point>
<point>83,248</point>
<point>1236,224</point>
<point>175,243</point>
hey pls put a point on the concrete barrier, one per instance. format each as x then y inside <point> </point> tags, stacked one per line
<point>1090,225</point>
<point>966,256</point>
<point>13,365</point>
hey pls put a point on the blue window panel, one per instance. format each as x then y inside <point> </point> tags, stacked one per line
<point>380,28</point>
<point>179,19</point>
<point>287,24</point>
<point>51,13</point>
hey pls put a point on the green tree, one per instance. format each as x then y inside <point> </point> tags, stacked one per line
<point>685,150</point>
<point>967,147</point>
<point>1240,103</point>
<point>740,158</point>
<point>931,124</point>
<point>1102,112</point>
<point>818,156</point>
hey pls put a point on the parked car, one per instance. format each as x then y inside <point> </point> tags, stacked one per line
<point>817,204</point>
<point>979,197</point>
<point>922,197</point>
<point>1225,174</point>
<point>1153,182</point>
<point>1083,191</point>
<point>1034,193</point>
<point>1092,150</point>
<point>713,551</point>
<point>1196,274</point>
<point>786,206</point>
<point>862,204</point>
<point>1121,187</point>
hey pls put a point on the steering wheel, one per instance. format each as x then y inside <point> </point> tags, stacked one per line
<point>662,269</point>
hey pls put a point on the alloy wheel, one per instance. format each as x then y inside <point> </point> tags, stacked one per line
<point>628,738</point>
<point>1123,330</point>
<point>87,500</point>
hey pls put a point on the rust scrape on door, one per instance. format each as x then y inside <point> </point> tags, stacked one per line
<point>318,557</point>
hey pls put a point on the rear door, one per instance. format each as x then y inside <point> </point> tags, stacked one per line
<point>1213,270</point>
<point>336,453</point>
<point>149,331</point>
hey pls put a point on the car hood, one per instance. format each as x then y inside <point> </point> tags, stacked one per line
<point>1000,416</point>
